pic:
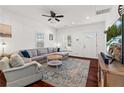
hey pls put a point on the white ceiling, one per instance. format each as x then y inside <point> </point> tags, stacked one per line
<point>73,14</point>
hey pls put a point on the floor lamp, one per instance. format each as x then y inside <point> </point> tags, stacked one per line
<point>3,47</point>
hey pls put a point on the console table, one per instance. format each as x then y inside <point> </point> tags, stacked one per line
<point>110,75</point>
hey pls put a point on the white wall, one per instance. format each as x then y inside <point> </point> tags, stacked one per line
<point>89,26</point>
<point>75,32</point>
<point>23,31</point>
<point>111,17</point>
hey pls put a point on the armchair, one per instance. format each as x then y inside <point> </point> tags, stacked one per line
<point>24,75</point>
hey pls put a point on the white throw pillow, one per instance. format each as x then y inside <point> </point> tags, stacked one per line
<point>4,63</point>
<point>27,60</point>
<point>16,60</point>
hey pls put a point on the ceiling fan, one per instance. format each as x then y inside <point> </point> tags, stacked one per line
<point>54,16</point>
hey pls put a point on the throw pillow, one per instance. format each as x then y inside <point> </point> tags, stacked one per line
<point>55,49</point>
<point>4,63</point>
<point>25,53</point>
<point>32,52</point>
<point>50,50</point>
<point>27,60</point>
<point>16,60</point>
<point>42,51</point>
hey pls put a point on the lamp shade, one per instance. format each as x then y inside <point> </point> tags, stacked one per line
<point>3,44</point>
<point>58,44</point>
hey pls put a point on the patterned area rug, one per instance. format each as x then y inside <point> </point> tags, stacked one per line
<point>72,73</point>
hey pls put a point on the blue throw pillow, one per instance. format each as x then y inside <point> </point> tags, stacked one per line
<point>25,53</point>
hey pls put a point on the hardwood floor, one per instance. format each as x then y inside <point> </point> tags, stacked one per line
<point>40,84</point>
<point>2,79</point>
<point>92,80</point>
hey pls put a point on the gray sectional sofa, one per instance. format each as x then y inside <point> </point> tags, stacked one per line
<point>32,70</point>
<point>40,54</point>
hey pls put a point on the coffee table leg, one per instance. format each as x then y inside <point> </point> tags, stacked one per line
<point>57,69</point>
<point>47,59</point>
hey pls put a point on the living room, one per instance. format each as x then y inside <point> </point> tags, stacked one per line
<point>14,15</point>
<point>60,44</point>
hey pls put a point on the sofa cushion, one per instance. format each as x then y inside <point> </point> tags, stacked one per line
<point>62,53</point>
<point>20,53</point>
<point>38,58</point>
<point>16,60</point>
<point>4,63</point>
<point>25,53</point>
<point>42,51</point>
<point>50,50</point>
<point>55,49</point>
<point>32,52</point>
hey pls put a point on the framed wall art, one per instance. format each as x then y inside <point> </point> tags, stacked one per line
<point>50,36</point>
<point>69,41</point>
<point>5,30</point>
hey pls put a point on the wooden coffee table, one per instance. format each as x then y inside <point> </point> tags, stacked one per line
<point>54,57</point>
<point>54,60</point>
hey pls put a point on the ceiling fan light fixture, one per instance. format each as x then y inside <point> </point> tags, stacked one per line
<point>53,17</point>
<point>73,23</point>
<point>52,21</point>
<point>87,17</point>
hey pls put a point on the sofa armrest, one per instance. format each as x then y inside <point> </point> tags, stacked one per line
<point>16,73</point>
<point>40,67</point>
<point>21,67</point>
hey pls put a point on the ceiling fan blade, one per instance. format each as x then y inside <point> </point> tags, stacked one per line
<point>60,16</point>
<point>49,19</point>
<point>52,13</point>
<point>57,19</point>
<point>46,15</point>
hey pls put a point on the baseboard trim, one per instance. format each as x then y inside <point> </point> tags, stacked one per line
<point>87,58</point>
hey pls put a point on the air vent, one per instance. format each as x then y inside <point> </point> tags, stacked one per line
<point>99,12</point>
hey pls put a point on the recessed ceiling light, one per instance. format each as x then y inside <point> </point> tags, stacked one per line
<point>87,17</point>
<point>73,23</point>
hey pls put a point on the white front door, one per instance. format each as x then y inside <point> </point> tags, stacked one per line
<point>84,45</point>
<point>90,45</point>
<point>77,45</point>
